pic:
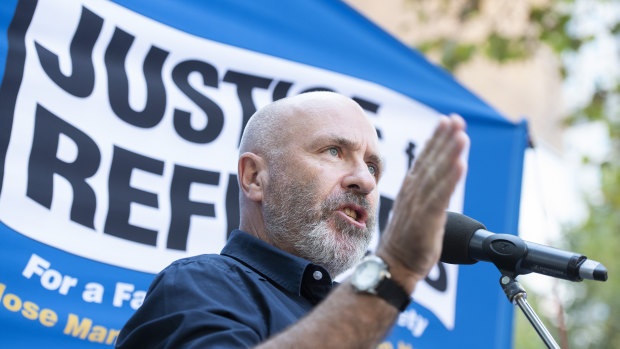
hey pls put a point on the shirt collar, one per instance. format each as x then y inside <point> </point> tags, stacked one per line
<point>283,268</point>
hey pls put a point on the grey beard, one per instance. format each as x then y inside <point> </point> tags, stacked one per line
<point>294,224</point>
<point>324,249</point>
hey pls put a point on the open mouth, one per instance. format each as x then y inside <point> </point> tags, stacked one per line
<point>355,214</point>
<point>350,212</point>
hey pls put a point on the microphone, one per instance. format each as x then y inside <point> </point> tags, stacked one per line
<point>466,241</point>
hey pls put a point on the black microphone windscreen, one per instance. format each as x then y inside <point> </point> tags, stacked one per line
<point>458,232</point>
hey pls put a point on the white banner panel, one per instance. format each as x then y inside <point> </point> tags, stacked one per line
<point>145,124</point>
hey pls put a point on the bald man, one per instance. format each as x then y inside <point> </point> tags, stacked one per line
<point>308,171</point>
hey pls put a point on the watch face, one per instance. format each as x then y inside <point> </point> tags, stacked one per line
<point>367,275</point>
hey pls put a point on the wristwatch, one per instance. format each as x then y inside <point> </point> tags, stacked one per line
<point>371,276</point>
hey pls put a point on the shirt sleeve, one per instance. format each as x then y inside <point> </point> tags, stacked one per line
<point>196,305</point>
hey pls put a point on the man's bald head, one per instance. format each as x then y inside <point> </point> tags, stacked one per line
<point>269,128</point>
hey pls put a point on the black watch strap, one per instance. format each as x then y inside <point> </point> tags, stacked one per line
<point>393,293</point>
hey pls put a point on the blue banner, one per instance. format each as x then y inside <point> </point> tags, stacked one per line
<point>119,126</point>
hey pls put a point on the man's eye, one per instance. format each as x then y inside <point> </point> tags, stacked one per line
<point>333,151</point>
<point>372,169</point>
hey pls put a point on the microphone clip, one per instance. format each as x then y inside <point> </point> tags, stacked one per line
<point>506,252</point>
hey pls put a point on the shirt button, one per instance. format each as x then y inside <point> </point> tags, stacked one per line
<point>317,275</point>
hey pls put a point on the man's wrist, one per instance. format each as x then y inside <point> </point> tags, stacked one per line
<point>402,275</point>
<point>372,276</point>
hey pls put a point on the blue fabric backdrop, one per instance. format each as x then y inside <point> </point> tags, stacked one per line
<point>322,33</point>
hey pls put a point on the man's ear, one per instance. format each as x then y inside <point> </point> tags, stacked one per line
<point>252,171</point>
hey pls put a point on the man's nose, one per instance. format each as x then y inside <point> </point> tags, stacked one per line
<point>360,179</point>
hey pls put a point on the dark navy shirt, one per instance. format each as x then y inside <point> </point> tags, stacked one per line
<point>236,299</point>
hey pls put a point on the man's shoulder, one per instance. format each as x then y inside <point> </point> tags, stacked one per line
<point>203,263</point>
<point>200,272</point>
<point>198,259</point>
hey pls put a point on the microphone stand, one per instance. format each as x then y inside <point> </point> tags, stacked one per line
<point>516,295</point>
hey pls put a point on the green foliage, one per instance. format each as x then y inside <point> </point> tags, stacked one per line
<point>548,25</point>
<point>452,53</point>
<point>552,27</point>
<point>503,49</point>
<point>594,111</point>
<point>591,314</point>
<point>591,311</point>
<point>469,10</point>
